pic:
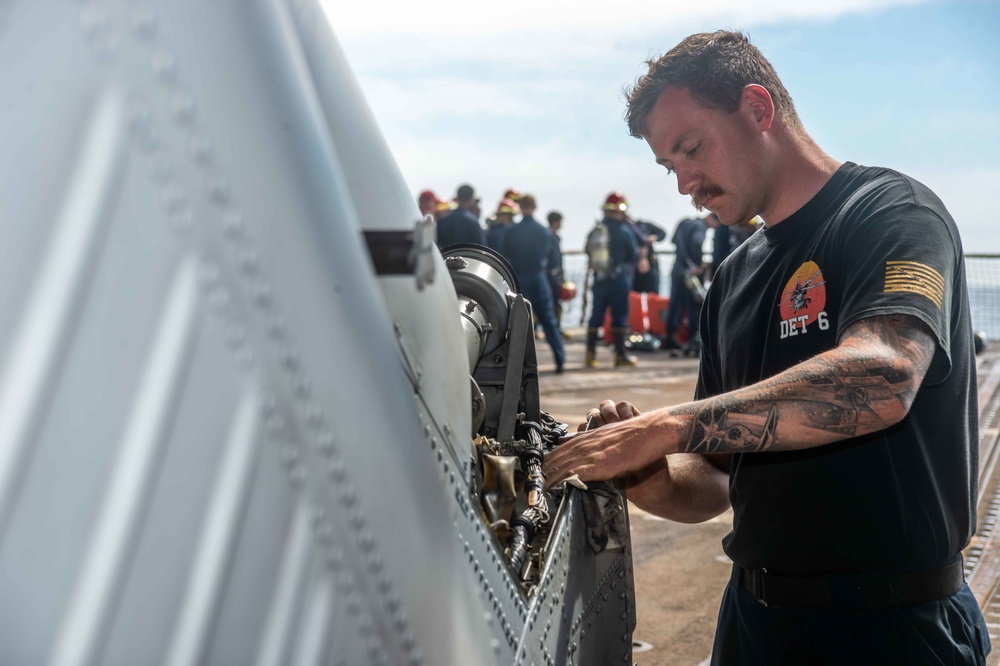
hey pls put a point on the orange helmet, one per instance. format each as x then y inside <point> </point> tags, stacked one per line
<point>512,194</point>
<point>568,291</point>
<point>507,206</point>
<point>616,201</point>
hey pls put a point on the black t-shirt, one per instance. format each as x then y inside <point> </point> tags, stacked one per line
<point>899,498</point>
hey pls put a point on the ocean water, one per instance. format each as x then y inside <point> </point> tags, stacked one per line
<point>984,301</point>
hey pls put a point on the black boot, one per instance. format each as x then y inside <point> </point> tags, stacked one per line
<point>670,341</point>
<point>693,347</point>
<point>590,361</point>
<point>622,357</point>
<point>559,314</point>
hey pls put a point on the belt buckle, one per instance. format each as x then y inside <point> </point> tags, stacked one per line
<point>876,594</point>
<point>755,578</point>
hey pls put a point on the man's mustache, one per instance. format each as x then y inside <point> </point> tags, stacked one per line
<point>704,193</point>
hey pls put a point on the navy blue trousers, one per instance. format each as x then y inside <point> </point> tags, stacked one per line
<point>535,287</point>
<point>610,293</point>
<point>681,300</point>
<point>946,631</point>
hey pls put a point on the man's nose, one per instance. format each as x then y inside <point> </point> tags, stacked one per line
<point>686,181</point>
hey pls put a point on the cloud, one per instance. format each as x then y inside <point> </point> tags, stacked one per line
<point>431,97</point>
<point>460,18</point>
<point>400,39</point>
<point>414,99</point>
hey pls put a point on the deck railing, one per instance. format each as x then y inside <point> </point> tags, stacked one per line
<point>982,273</point>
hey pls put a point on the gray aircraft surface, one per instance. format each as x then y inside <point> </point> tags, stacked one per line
<point>249,414</point>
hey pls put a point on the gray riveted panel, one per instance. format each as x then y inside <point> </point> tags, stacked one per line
<point>223,438</point>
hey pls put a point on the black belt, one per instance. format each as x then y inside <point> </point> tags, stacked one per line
<point>856,591</point>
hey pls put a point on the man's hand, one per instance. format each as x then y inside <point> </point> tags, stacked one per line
<point>684,487</point>
<point>624,442</point>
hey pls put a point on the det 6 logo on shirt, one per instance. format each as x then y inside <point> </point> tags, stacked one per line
<point>803,301</point>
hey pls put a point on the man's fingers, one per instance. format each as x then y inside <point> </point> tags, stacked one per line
<point>594,420</point>
<point>583,472</point>
<point>557,478</point>
<point>625,411</point>
<point>555,470</point>
<point>609,412</point>
<point>612,412</point>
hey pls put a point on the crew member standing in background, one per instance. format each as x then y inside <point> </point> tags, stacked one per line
<point>726,239</point>
<point>648,281</point>
<point>527,246</point>
<point>462,224</point>
<point>501,223</point>
<point>722,246</point>
<point>612,253</point>
<point>557,276</point>
<point>685,277</point>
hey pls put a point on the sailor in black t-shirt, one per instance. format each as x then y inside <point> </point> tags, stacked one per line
<point>836,405</point>
<point>872,242</point>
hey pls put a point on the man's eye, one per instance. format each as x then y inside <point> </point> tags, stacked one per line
<point>694,150</point>
<point>670,170</point>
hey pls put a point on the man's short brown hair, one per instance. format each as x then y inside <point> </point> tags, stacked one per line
<point>713,67</point>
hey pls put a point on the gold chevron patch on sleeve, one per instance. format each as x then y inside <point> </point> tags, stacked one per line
<point>916,278</point>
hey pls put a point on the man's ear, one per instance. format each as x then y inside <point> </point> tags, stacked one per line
<point>757,103</point>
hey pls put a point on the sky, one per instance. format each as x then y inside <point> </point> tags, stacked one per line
<point>530,94</point>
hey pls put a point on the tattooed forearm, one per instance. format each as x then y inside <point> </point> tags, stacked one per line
<point>712,432</point>
<point>865,384</point>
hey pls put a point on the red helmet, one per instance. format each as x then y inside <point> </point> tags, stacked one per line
<point>427,201</point>
<point>616,201</point>
<point>512,194</point>
<point>568,291</point>
<point>507,206</point>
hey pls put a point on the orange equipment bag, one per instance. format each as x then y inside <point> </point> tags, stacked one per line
<point>647,313</point>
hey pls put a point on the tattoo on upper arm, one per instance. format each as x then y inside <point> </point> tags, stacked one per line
<point>864,385</point>
<point>908,335</point>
